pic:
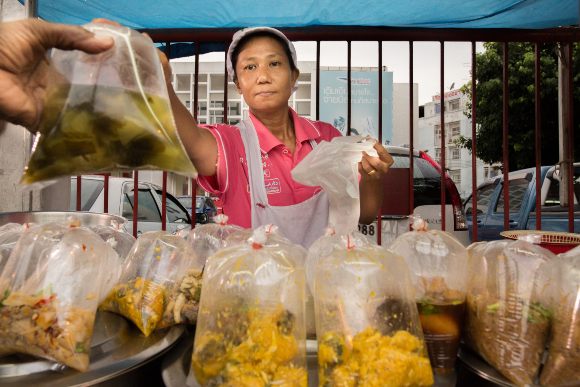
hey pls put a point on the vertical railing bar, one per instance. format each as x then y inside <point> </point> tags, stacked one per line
<point>78,198</point>
<point>317,80</point>
<point>505,138</point>
<point>106,201</point>
<point>164,174</point>
<point>348,92</point>
<point>442,115</point>
<point>538,134</point>
<point>474,228</point>
<point>380,99</point>
<point>570,119</point>
<point>135,201</point>
<point>225,119</point>
<point>195,115</point>
<point>411,129</point>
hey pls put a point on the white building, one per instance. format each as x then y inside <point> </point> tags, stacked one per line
<point>457,160</point>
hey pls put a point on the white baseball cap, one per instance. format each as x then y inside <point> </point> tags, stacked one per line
<point>252,30</point>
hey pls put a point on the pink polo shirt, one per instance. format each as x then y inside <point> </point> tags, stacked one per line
<point>231,183</point>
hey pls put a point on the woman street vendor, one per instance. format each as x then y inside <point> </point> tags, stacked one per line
<point>248,166</point>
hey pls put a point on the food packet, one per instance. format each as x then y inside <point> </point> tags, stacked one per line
<point>438,263</point>
<point>562,366</point>
<point>250,329</point>
<point>120,240</point>
<point>367,324</point>
<point>208,238</point>
<point>9,235</point>
<point>50,288</point>
<point>106,112</point>
<point>159,284</point>
<point>508,306</point>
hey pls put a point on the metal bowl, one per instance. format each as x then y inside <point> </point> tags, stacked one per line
<point>87,219</point>
<point>117,348</point>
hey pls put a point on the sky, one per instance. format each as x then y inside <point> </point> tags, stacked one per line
<point>426,68</point>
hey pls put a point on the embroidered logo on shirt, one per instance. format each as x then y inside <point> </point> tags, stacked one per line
<point>272,186</point>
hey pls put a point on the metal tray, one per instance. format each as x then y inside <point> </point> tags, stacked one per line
<point>86,218</point>
<point>117,347</point>
<point>175,367</point>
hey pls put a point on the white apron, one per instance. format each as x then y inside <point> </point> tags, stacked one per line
<point>302,223</point>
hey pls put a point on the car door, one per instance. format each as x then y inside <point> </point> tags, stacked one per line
<point>177,216</point>
<point>485,194</point>
<point>149,213</point>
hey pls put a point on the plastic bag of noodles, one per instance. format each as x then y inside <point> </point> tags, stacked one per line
<point>562,367</point>
<point>438,263</point>
<point>208,238</point>
<point>250,329</point>
<point>367,324</point>
<point>51,286</point>
<point>160,284</point>
<point>107,112</point>
<point>509,306</point>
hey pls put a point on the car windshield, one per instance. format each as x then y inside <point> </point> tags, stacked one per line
<point>185,201</point>
<point>198,202</point>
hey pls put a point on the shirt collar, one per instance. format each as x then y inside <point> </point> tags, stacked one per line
<point>303,129</point>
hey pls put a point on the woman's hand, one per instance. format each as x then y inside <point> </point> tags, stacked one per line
<point>24,67</point>
<point>374,168</point>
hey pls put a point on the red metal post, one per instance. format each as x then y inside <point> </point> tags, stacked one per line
<point>570,122</point>
<point>411,138</point>
<point>506,169</point>
<point>195,114</point>
<point>380,72</point>
<point>135,201</point>
<point>317,80</point>
<point>473,145</point>
<point>442,114</point>
<point>538,134</point>
<point>348,92</point>
<point>79,183</point>
<point>106,203</point>
<point>164,178</point>
<point>225,119</point>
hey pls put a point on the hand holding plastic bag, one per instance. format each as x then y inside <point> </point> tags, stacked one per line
<point>334,167</point>
<point>107,112</point>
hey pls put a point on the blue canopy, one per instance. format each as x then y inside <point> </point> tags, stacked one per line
<point>161,14</point>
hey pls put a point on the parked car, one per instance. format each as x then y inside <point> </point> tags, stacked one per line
<point>121,203</point>
<point>522,203</point>
<point>205,208</point>
<point>426,198</point>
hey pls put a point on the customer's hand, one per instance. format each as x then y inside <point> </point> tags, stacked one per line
<point>374,168</point>
<point>24,66</point>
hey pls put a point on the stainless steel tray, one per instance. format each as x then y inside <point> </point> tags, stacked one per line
<point>86,218</point>
<point>117,347</point>
<point>175,367</point>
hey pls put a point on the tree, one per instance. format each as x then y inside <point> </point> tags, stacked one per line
<point>521,121</point>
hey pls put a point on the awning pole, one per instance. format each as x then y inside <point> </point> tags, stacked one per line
<point>31,8</point>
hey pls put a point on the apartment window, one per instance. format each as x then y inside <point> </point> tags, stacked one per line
<point>454,128</point>
<point>455,176</point>
<point>437,108</point>
<point>486,172</point>
<point>454,104</point>
<point>437,133</point>
<point>437,154</point>
<point>183,82</point>
<point>455,154</point>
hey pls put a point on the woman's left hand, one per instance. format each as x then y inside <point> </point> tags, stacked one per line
<point>374,168</point>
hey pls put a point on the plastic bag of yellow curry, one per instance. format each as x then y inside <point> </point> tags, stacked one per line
<point>367,325</point>
<point>160,283</point>
<point>106,112</point>
<point>55,277</point>
<point>251,329</point>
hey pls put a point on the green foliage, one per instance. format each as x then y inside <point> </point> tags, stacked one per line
<point>521,118</point>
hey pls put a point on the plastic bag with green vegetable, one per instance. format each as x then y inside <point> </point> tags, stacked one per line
<point>107,112</point>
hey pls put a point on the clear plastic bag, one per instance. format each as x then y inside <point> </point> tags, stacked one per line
<point>51,286</point>
<point>160,284</point>
<point>107,112</point>
<point>9,235</point>
<point>562,366</point>
<point>438,263</point>
<point>367,324</point>
<point>509,306</point>
<point>250,329</point>
<point>122,242</point>
<point>210,237</point>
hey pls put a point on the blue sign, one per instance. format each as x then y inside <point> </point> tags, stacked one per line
<point>364,102</point>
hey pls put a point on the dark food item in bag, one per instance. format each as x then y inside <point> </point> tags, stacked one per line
<point>256,349</point>
<point>511,336</point>
<point>372,359</point>
<point>91,129</point>
<point>139,300</point>
<point>39,326</point>
<point>182,303</point>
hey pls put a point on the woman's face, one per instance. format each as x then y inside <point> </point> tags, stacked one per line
<point>264,75</point>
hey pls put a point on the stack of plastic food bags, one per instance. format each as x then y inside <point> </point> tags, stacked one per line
<point>107,112</point>
<point>210,237</point>
<point>51,286</point>
<point>509,306</point>
<point>367,324</point>
<point>160,283</point>
<point>562,366</point>
<point>121,241</point>
<point>250,329</point>
<point>439,266</point>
